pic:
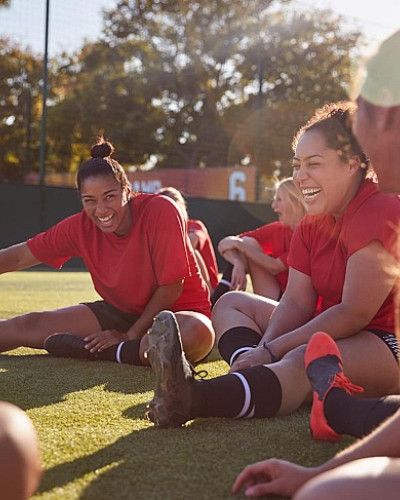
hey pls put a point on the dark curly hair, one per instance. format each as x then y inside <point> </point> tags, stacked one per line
<point>333,121</point>
<point>101,164</point>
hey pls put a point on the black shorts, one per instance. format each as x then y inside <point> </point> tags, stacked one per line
<point>390,340</point>
<point>111,318</point>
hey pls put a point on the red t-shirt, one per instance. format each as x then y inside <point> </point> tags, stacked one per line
<point>321,246</point>
<point>205,248</point>
<point>127,270</point>
<point>274,239</point>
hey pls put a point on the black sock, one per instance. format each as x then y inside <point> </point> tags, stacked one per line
<point>125,352</point>
<point>252,392</point>
<point>224,284</point>
<point>237,340</point>
<point>356,416</point>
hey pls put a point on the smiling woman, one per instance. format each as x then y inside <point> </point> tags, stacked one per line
<point>262,253</point>
<point>137,251</point>
<point>344,252</point>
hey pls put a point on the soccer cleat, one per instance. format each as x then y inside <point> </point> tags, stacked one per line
<point>174,378</point>
<point>324,370</point>
<point>67,345</point>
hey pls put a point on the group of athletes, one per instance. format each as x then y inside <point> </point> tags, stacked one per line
<point>322,315</point>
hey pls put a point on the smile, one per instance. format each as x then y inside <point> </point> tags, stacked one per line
<point>104,220</point>
<point>310,193</point>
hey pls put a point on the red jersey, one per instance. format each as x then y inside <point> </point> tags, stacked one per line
<point>321,246</point>
<point>127,270</point>
<point>274,239</point>
<point>205,248</point>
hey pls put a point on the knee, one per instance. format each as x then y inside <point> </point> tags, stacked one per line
<point>230,300</point>
<point>20,467</point>
<point>198,335</point>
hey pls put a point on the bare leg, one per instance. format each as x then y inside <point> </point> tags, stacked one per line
<point>197,335</point>
<point>367,362</point>
<point>366,479</point>
<point>264,283</point>
<point>20,468</point>
<point>242,309</point>
<point>32,329</point>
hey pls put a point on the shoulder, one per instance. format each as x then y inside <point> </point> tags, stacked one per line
<point>146,202</point>
<point>371,205</point>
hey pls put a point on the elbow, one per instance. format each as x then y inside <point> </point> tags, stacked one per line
<point>357,320</point>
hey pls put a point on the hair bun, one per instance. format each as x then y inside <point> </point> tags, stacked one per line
<point>102,149</point>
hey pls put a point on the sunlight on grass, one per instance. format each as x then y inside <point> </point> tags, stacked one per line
<point>90,418</point>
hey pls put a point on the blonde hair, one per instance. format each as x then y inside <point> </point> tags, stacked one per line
<point>293,198</point>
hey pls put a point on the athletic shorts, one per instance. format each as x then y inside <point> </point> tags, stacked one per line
<point>111,318</point>
<point>390,340</point>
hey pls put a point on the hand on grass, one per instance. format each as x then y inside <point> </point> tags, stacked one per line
<point>102,340</point>
<point>272,477</point>
<point>254,357</point>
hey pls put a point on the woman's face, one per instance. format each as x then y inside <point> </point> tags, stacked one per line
<point>285,208</point>
<point>106,204</point>
<point>326,183</point>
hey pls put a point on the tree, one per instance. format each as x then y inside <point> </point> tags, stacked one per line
<point>197,83</point>
<point>20,111</point>
<point>300,63</point>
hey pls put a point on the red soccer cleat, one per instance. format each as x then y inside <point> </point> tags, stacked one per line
<point>324,369</point>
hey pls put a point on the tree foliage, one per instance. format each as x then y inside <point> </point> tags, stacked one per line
<point>197,83</point>
<point>20,110</point>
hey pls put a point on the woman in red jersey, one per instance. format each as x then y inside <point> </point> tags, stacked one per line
<point>136,249</point>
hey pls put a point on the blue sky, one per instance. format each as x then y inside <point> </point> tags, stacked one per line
<point>74,20</point>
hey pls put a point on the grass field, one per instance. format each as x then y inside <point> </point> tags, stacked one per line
<point>89,416</point>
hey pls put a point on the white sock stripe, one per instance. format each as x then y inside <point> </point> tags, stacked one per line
<point>247,395</point>
<point>237,352</point>
<point>118,353</point>
<point>251,414</point>
<point>225,282</point>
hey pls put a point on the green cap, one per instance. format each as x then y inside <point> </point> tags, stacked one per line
<point>379,79</point>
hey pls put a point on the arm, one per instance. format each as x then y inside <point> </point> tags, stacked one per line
<point>203,268</point>
<point>371,268</point>
<point>278,477</point>
<point>290,325</point>
<point>194,240</point>
<point>252,250</point>
<point>163,298</point>
<point>17,257</point>
<point>226,248</point>
<point>295,309</point>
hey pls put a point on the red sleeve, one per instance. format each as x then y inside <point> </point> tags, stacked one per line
<point>56,245</point>
<point>197,227</point>
<point>379,221</point>
<point>264,235</point>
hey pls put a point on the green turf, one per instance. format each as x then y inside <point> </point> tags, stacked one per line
<point>95,441</point>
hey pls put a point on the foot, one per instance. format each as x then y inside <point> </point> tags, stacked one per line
<point>324,369</point>
<point>67,345</point>
<point>174,379</point>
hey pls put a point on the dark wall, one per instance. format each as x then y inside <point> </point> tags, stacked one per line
<point>26,210</point>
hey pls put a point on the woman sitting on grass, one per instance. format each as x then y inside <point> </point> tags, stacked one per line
<point>136,249</point>
<point>262,253</point>
<point>370,468</point>
<point>344,250</point>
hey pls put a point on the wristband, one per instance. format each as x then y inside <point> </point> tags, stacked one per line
<point>274,359</point>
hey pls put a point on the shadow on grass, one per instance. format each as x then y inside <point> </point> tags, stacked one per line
<point>33,381</point>
<point>198,461</point>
